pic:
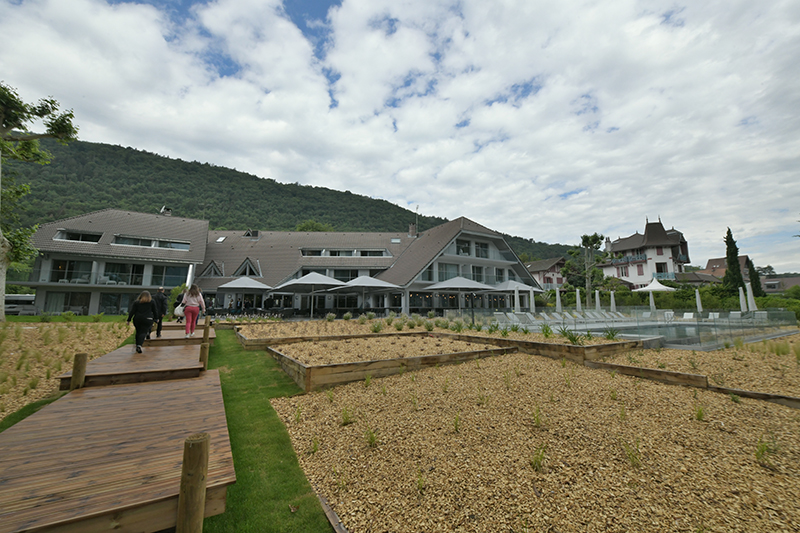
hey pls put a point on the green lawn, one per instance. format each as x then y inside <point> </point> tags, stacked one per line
<point>268,478</point>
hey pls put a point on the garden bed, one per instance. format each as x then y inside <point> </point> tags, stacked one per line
<point>520,443</point>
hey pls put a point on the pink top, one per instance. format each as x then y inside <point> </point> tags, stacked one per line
<point>194,301</point>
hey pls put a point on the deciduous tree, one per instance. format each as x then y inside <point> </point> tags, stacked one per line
<point>17,142</point>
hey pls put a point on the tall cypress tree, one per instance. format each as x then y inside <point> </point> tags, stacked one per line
<point>755,279</point>
<point>733,273</point>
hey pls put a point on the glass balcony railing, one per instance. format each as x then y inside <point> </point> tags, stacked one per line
<point>664,275</point>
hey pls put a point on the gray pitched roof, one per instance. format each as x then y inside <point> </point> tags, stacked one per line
<point>654,235</point>
<point>112,222</point>
<point>279,253</point>
<point>544,264</point>
<point>427,246</point>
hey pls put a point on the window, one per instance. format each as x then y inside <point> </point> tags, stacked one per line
<point>462,247</point>
<point>622,271</point>
<point>427,274</point>
<point>220,239</point>
<point>64,271</point>
<point>371,253</point>
<point>341,253</point>
<point>500,275</point>
<point>482,250</point>
<point>173,245</point>
<point>345,275</point>
<point>640,270</point>
<point>247,268</point>
<point>447,271</point>
<point>133,241</point>
<point>123,274</point>
<point>116,304</point>
<point>211,271</point>
<point>66,235</point>
<point>659,250</point>
<point>172,276</point>
<point>58,302</point>
<point>477,274</point>
<point>311,253</point>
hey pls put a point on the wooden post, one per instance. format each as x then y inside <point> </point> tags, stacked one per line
<point>192,496</point>
<point>206,328</point>
<point>78,370</point>
<point>204,355</point>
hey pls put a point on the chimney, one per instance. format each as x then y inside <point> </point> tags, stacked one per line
<point>412,230</point>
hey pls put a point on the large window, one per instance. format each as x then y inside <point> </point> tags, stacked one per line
<point>122,274</point>
<point>482,250</point>
<point>116,304</point>
<point>169,276</point>
<point>311,253</point>
<point>341,253</point>
<point>64,271</point>
<point>499,275</point>
<point>447,271</point>
<point>345,275</point>
<point>59,302</point>
<point>477,274</point>
<point>147,242</point>
<point>371,253</point>
<point>462,247</point>
<point>427,274</point>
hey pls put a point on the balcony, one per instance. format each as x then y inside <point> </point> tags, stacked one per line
<point>682,258</point>
<point>664,275</point>
<point>640,258</point>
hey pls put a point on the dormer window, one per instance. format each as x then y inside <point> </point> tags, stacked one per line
<point>68,235</point>
<point>247,269</point>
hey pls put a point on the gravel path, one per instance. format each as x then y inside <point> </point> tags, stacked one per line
<point>620,453</point>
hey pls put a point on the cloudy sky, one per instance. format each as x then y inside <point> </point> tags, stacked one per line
<point>547,120</point>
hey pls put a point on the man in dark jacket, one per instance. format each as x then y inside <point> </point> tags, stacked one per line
<point>161,305</point>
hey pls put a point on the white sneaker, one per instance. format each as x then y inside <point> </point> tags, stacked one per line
<point>187,336</point>
<point>191,334</point>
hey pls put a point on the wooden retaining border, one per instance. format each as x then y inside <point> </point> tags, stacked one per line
<point>261,344</point>
<point>310,378</point>
<point>691,380</point>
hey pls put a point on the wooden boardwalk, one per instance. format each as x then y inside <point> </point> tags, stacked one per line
<point>177,337</point>
<point>124,365</point>
<point>109,458</point>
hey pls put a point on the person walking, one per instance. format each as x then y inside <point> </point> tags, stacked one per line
<point>162,303</point>
<point>193,302</point>
<point>143,312</point>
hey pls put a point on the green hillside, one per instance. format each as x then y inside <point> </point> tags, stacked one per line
<point>85,177</point>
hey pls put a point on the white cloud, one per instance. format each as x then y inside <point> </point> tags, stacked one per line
<point>545,120</point>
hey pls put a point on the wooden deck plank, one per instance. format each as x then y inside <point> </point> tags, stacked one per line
<point>177,337</point>
<point>110,457</point>
<point>124,365</point>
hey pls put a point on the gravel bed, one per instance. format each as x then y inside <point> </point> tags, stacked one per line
<point>455,449</point>
<point>769,366</point>
<point>374,349</point>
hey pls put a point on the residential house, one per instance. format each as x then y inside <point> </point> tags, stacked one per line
<point>718,266</point>
<point>547,272</point>
<point>657,253</point>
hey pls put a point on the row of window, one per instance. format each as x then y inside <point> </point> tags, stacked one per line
<point>343,253</point>
<point>481,274</point>
<point>465,247</point>
<point>66,235</point>
<point>66,271</point>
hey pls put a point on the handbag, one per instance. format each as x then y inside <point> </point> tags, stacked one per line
<point>179,310</point>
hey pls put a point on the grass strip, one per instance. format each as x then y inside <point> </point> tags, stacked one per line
<point>28,410</point>
<point>269,481</point>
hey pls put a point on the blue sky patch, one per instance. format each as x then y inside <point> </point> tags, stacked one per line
<point>567,194</point>
<point>670,18</point>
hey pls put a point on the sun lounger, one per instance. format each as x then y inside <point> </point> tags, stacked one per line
<point>522,318</point>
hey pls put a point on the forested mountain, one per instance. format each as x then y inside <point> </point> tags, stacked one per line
<point>85,177</point>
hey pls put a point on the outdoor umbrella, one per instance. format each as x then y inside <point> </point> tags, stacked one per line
<point>516,286</point>
<point>613,303</point>
<point>699,301</point>
<point>751,299</point>
<point>366,283</point>
<point>651,288</point>
<point>558,300</point>
<point>742,301</point>
<point>309,284</point>
<point>597,301</point>
<point>460,284</point>
<point>244,283</point>
<point>578,300</point>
